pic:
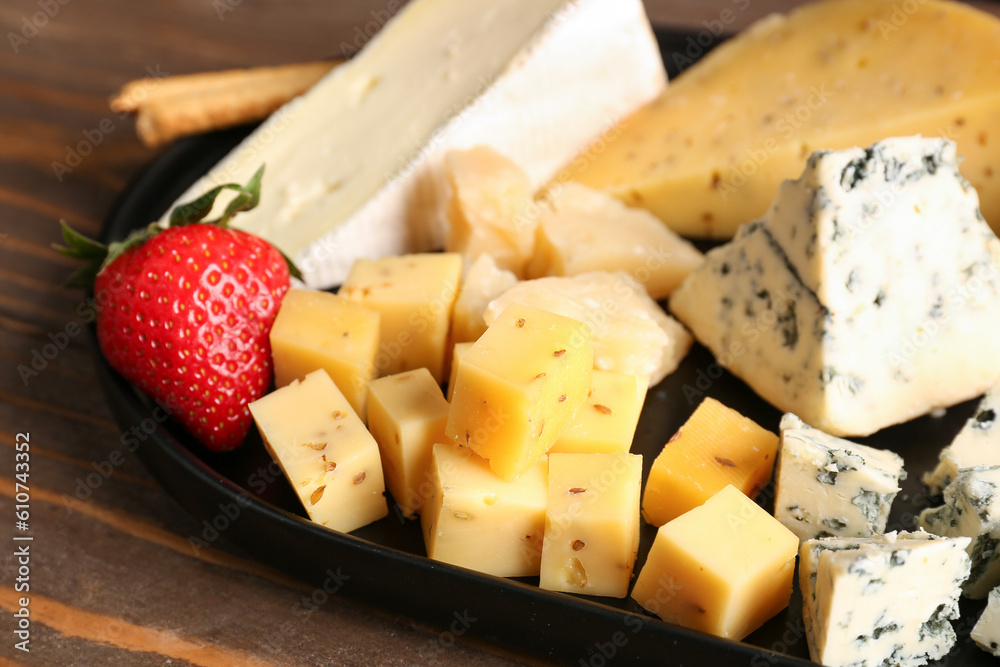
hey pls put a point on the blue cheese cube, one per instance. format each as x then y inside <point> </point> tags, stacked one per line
<point>972,509</point>
<point>977,444</point>
<point>867,295</point>
<point>883,600</point>
<point>830,487</point>
<point>986,632</point>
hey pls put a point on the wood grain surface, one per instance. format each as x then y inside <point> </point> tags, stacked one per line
<point>113,577</point>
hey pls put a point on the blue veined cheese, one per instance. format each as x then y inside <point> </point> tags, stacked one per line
<point>977,444</point>
<point>972,509</point>
<point>883,600</point>
<point>986,632</point>
<point>355,165</point>
<point>869,293</point>
<point>829,487</point>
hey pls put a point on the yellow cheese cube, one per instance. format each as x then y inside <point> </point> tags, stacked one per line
<point>722,568</point>
<point>585,230</point>
<point>483,282</point>
<point>519,386</point>
<point>457,351</point>
<point>591,524</point>
<point>406,416</point>
<point>606,421</point>
<point>491,209</point>
<point>479,521</point>
<point>325,450</point>
<point>717,446</point>
<point>414,295</point>
<point>711,151</point>
<point>316,330</point>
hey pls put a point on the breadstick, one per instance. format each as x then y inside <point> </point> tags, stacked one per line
<point>177,106</point>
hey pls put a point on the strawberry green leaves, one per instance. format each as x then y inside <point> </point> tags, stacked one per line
<point>247,198</point>
<point>98,256</point>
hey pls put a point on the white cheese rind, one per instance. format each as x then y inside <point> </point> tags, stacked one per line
<point>977,444</point>
<point>354,167</point>
<point>986,632</point>
<point>972,509</point>
<point>869,294</point>
<point>883,600</point>
<point>830,487</point>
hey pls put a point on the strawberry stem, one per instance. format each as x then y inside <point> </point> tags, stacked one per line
<point>98,256</point>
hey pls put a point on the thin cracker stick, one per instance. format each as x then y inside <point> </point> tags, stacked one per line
<point>177,106</point>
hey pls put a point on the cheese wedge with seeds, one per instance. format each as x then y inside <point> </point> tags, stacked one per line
<point>711,151</point>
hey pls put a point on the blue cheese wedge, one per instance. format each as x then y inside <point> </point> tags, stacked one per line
<point>829,487</point>
<point>972,509</point>
<point>883,600</point>
<point>986,632</point>
<point>868,294</point>
<point>977,444</point>
<point>355,165</point>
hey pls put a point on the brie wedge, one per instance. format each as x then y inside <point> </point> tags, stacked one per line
<point>353,167</point>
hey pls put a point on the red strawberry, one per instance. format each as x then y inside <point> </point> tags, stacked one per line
<point>186,313</point>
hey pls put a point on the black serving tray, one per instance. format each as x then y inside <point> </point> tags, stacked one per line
<point>384,564</point>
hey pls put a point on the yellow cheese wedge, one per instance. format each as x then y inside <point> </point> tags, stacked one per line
<point>325,451</point>
<point>591,523</point>
<point>414,294</point>
<point>406,416</point>
<point>709,153</point>
<point>316,330</point>
<point>479,521</point>
<point>519,386</point>
<point>723,568</point>
<point>716,447</point>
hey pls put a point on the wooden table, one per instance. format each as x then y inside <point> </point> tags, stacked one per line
<point>113,577</point>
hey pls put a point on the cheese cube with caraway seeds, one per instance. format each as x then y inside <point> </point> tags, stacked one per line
<point>591,524</point>
<point>327,454</point>
<point>479,521</point>
<point>414,294</point>
<point>717,446</point>
<point>519,387</point>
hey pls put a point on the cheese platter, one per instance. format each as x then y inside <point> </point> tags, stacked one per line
<point>384,563</point>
